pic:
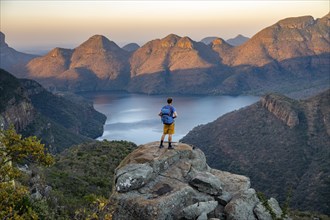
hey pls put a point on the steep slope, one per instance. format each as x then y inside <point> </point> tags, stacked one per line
<point>60,122</point>
<point>220,46</point>
<point>173,63</point>
<point>15,106</point>
<point>101,56</point>
<point>97,64</point>
<point>277,141</point>
<point>50,65</point>
<point>12,60</point>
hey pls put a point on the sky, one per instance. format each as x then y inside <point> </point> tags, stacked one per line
<point>42,25</point>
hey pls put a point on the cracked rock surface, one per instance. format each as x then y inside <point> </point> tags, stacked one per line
<point>153,183</point>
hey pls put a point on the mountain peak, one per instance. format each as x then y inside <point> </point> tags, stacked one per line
<point>218,41</point>
<point>56,52</point>
<point>170,40</point>
<point>100,42</point>
<point>238,40</point>
<point>131,47</point>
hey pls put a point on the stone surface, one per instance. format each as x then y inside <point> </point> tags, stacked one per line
<point>153,183</point>
<point>132,176</point>
<point>263,214</point>
<point>281,108</point>
<point>207,182</point>
<point>241,206</point>
<point>199,210</point>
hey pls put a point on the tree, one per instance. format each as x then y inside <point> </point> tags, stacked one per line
<point>14,197</point>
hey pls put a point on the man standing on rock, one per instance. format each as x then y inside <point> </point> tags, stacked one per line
<point>168,113</point>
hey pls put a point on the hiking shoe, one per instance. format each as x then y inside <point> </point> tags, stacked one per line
<point>161,146</point>
<point>170,147</point>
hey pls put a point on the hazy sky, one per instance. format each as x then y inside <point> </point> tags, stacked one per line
<point>47,24</point>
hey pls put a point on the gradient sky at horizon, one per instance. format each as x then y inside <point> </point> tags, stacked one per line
<point>48,24</point>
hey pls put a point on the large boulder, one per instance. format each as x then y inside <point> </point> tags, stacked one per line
<point>153,183</point>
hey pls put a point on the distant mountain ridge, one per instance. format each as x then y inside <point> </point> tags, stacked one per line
<point>208,40</point>
<point>131,47</point>
<point>238,40</point>
<point>293,54</point>
<point>277,141</point>
<point>12,60</point>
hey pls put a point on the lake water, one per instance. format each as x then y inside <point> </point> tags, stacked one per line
<point>134,117</point>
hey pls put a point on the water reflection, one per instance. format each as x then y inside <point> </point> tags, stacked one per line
<point>134,117</point>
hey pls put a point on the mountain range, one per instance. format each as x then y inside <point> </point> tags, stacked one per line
<point>12,60</point>
<point>236,41</point>
<point>290,55</point>
<point>277,141</point>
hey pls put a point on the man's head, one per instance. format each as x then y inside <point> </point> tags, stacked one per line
<point>169,100</point>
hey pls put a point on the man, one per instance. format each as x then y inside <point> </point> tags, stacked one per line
<point>168,113</point>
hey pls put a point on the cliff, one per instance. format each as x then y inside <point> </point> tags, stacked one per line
<point>153,183</point>
<point>15,106</point>
<point>277,141</point>
<point>60,121</point>
<point>283,108</point>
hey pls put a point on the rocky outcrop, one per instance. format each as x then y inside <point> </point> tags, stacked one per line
<point>15,106</point>
<point>283,108</point>
<point>20,114</point>
<point>153,183</point>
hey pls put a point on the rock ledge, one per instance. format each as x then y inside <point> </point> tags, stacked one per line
<point>153,183</point>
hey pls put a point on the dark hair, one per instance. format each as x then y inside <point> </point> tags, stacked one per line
<point>169,100</point>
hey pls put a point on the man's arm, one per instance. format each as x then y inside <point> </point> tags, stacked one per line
<point>175,114</point>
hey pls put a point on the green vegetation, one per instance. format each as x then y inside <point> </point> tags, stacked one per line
<point>257,142</point>
<point>60,121</point>
<point>264,202</point>
<point>307,215</point>
<point>81,179</point>
<point>14,197</point>
<point>56,137</point>
<point>68,110</point>
<point>82,176</point>
<point>9,89</point>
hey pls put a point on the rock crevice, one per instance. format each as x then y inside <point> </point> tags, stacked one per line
<point>153,183</point>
